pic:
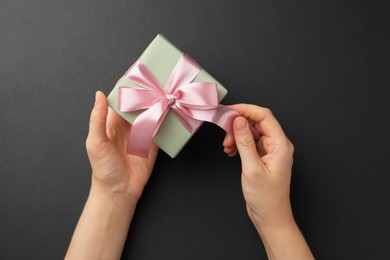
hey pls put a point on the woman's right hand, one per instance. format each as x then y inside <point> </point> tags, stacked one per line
<point>266,175</point>
<point>266,164</point>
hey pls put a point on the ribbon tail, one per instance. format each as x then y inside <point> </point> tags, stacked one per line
<point>222,116</point>
<point>145,128</point>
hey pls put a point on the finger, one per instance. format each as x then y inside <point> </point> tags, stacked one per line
<point>228,141</point>
<point>114,118</point>
<point>153,150</point>
<point>255,132</point>
<point>97,122</point>
<point>229,145</point>
<point>266,123</point>
<point>229,150</point>
<point>260,146</point>
<point>246,145</point>
<point>232,153</point>
<point>114,129</point>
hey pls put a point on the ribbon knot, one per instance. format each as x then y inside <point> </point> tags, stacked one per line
<point>192,102</point>
<point>172,98</point>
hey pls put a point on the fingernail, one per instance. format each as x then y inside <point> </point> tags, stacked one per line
<point>240,124</point>
<point>97,99</point>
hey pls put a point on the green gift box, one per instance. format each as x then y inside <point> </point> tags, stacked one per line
<point>161,57</point>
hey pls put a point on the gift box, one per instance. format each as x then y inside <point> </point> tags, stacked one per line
<point>160,58</point>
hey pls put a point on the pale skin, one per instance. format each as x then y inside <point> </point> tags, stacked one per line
<point>118,180</point>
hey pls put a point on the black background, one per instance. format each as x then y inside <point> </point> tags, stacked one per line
<point>321,66</point>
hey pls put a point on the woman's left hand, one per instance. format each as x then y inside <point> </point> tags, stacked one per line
<point>114,172</point>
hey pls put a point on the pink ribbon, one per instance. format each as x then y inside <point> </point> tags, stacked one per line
<point>192,102</point>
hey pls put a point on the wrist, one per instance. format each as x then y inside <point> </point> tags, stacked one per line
<point>102,228</point>
<point>275,226</point>
<point>272,219</point>
<point>111,195</point>
<point>282,239</point>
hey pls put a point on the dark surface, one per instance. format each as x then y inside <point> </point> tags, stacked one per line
<point>322,67</point>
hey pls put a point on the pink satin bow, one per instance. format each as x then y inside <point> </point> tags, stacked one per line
<point>192,102</point>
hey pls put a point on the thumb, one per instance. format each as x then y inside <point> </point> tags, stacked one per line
<point>246,145</point>
<point>97,124</point>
